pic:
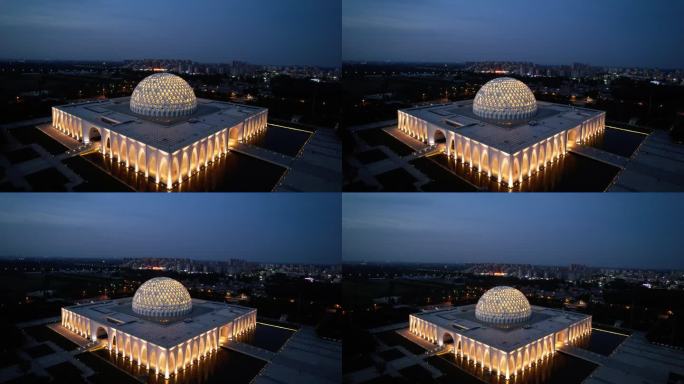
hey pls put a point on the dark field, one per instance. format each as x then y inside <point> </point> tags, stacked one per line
<point>30,135</point>
<point>376,137</point>
<point>47,180</point>
<point>43,333</point>
<point>397,180</point>
<point>21,155</point>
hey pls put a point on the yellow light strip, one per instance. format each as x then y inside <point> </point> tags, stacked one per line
<point>292,128</point>
<point>616,333</point>
<point>277,326</point>
<point>628,130</point>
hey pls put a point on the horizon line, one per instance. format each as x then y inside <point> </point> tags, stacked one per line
<point>176,59</point>
<point>510,263</point>
<point>498,61</point>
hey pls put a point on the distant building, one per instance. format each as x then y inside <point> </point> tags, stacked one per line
<point>504,132</point>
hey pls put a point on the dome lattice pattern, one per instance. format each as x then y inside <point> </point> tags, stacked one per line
<point>163,95</point>
<point>505,99</point>
<point>503,305</point>
<point>162,297</point>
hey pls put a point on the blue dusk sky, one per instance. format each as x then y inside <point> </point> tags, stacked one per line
<point>612,230</point>
<point>258,227</point>
<point>606,32</point>
<point>304,32</point>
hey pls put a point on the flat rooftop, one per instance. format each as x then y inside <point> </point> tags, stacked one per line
<point>458,117</point>
<point>462,320</point>
<point>118,314</point>
<point>167,134</point>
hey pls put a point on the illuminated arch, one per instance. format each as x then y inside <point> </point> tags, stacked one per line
<point>468,155</point>
<point>142,167</point>
<point>516,169</point>
<point>194,161</point>
<point>132,156</point>
<point>152,165</point>
<point>494,166</point>
<point>233,136</point>
<point>163,175</point>
<point>175,169</point>
<point>123,151</point>
<point>210,151</point>
<point>505,170</point>
<point>485,161</point>
<point>459,151</point>
<point>202,154</point>
<point>185,166</point>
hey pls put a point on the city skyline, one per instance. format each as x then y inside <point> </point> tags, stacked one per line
<point>613,33</point>
<point>195,226</point>
<point>214,31</point>
<point>626,231</point>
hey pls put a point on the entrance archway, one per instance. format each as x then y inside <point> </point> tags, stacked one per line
<point>448,341</point>
<point>439,137</point>
<point>94,135</point>
<point>101,335</point>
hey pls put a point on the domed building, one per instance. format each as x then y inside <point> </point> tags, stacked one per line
<point>162,131</point>
<point>161,327</point>
<point>504,133</point>
<point>503,305</point>
<point>502,332</point>
<point>162,298</point>
<point>505,100</point>
<point>163,95</point>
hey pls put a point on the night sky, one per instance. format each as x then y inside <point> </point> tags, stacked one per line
<point>305,32</point>
<point>259,227</point>
<point>613,230</point>
<point>606,32</point>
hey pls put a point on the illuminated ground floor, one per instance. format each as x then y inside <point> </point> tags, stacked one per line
<point>167,167</point>
<point>483,153</point>
<point>164,348</point>
<point>505,352</point>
